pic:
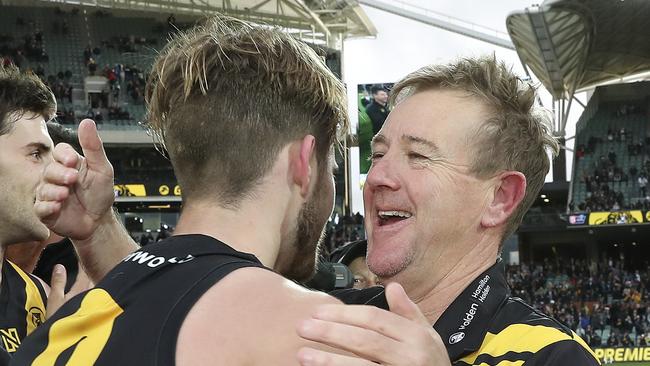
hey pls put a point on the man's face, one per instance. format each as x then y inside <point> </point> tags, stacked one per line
<point>24,153</point>
<point>311,225</point>
<point>423,208</point>
<point>363,278</point>
<point>381,97</point>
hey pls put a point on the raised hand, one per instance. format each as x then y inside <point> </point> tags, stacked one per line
<point>76,191</point>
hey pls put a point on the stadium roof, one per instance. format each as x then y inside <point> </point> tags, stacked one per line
<point>574,45</point>
<point>320,21</point>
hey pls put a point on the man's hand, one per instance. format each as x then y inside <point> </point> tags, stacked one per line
<point>57,296</point>
<point>76,192</point>
<point>400,337</point>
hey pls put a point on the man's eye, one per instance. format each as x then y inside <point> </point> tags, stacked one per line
<point>36,155</point>
<point>414,155</point>
<point>375,156</point>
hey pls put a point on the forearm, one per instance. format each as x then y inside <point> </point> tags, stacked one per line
<point>105,248</point>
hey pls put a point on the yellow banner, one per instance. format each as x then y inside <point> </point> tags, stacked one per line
<point>130,190</point>
<point>607,355</point>
<point>615,218</point>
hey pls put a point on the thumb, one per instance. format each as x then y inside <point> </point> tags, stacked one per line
<point>400,304</point>
<point>92,146</point>
<point>57,290</point>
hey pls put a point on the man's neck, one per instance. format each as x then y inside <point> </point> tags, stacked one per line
<point>246,230</point>
<point>434,298</point>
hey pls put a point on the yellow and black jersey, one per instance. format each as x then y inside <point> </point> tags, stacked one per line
<point>484,326</point>
<point>22,305</point>
<point>133,316</point>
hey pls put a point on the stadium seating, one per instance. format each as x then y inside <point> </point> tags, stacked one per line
<point>603,302</point>
<point>596,146</point>
<point>65,51</point>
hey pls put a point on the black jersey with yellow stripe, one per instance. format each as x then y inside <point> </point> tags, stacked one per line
<point>133,316</point>
<point>485,326</point>
<point>22,305</point>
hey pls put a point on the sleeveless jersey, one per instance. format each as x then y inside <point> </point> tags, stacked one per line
<point>22,305</point>
<point>133,316</point>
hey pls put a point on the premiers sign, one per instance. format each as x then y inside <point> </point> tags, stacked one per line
<point>610,218</point>
<point>635,354</point>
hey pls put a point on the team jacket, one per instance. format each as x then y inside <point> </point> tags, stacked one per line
<point>484,326</point>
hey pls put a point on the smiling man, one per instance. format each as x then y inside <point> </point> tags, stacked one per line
<point>457,164</point>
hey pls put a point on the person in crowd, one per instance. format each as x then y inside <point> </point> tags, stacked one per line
<point>378,109</point>
<point>353,255</point>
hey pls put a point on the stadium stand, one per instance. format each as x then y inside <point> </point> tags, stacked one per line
<point>605,303</point>
<point>612,159</point>
<point>64,48</point>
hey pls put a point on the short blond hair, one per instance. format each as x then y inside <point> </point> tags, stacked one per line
<point>516,136</point>
<point>226,96</point>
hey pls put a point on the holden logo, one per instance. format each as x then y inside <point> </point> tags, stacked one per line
<point>456,337</point>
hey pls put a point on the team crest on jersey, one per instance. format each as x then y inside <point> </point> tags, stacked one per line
<point>36,316</point>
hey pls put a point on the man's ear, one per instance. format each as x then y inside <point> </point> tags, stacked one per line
<point>509,192</point>
<point>302,157</point>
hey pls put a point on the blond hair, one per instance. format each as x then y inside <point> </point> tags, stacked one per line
<point>516,136</point>
<point>226,96</point>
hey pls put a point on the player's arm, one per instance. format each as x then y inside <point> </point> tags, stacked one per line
<point>75,198</point>
<point>248,318</point>
<point>105,247</point>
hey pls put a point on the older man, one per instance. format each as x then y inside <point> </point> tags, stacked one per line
<point>457,164</point>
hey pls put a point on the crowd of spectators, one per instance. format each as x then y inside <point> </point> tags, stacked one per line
<point>28,49</point>
<point>605,170</point>
<point>600,197</point>
<point>605,303</point>
<point>25,49</point>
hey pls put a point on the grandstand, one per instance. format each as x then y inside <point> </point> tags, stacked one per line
<point>612,154</point>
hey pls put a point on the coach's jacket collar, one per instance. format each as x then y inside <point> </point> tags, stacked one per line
<point>464,324</point>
